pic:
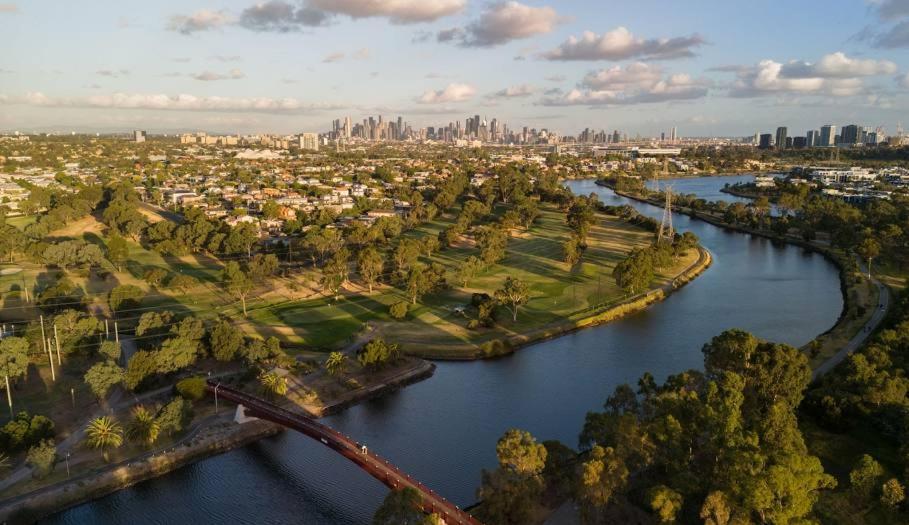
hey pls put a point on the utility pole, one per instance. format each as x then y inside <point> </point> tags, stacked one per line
<point>57,341</point>
<point>106,330</point>
<point>116,333</point>
<point>50,358</point>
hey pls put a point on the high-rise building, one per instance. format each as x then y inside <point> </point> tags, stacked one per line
<point>799,142</point>
<point>309,141</point>
<point>812,138</point>
<point>766,141</point>
<point>139,136</point>
<point>781,134</point>
<point>673,134</point>
<point>851,135</point>
<point>347,129</point>
<point>828,136</point>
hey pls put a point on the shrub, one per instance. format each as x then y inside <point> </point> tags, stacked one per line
<point>25,431</point>
<point>41,457</point>
<point>191,387</point>
<point>398,310</point>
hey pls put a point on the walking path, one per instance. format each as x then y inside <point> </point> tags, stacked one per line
<point>880,312</point>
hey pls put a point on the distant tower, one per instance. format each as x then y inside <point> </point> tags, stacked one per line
<point>666,232</point>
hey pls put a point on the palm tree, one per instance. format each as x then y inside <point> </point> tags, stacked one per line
<point>144,428</point>
<point>335,363</point>
<point>273,384</point>
<point>104,433</point>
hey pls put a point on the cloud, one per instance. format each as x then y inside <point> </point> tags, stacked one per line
<point>891,9</point>
<point>621,44</point>
<point>905,81</point>
<point>208,76</point>
<point>766,79</point>
<point>333,57</point>
<point>9,8</point>
<point>838,65</point>
<point>503,22</point>
<point>895,37</point>
<point>277,16</point>
<point>172,103</point>
<point>361,54</point>
<point>519,91</point>
<point>182,60</point>
<point>834,75</point>
<point>451,93</point>
<point>556,78</point>
<point>637,83</point>
<point>112,74</point>
<point>397,11</point>
<point>202,20</point>
<point>226,58</point>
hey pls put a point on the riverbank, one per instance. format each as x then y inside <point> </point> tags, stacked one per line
<point>216,437</point>
<point>593,316</point>
<point>860,296</point>
<point>212,436</point>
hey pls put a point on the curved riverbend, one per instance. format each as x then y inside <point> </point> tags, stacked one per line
<point>443,430</point>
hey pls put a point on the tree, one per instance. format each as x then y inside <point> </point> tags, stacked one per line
<point>182,282</point>
<point>468,270</point>
<point>398,310</point>
<point>430,245</point>
<point>125,297</point>
<point>370,264</point>
<point>117,250</point>
<point>104,433</point>
<point>41,457</point>
<point>601,476</point>
<point>110,350</point>
<point>273,384</point>
<point>868,250</point>
<point>406,254</point>
<point>241,238</point>
<point>335,363</point>
<point>175,354</point>
<point>572,250</point>
<point>716,510</point>
<point>262,267</point>
<point>400,507</point>
<point>377,353</point>
<point>174,415</point>
<point>237,282</point>
<point>664,502</point>
<point>13,363</point>
<point>634,273</point>
<point>492,241</point>
<point>143,428</point>
<point>865,476</point>
<point>336,272</point>
<point>892,493</point>
<point>513,294</point>
<point>509,492</point>
<point>154,276</point>
<point>101,377</point>
<point>141,366</point>
<point>225,341</point>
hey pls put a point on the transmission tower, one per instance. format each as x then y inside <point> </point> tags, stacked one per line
<point>666,232</point>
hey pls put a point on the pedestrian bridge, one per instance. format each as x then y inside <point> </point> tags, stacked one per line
<point>372,463</point>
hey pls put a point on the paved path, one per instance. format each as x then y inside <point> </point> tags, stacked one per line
<point>860,338</point>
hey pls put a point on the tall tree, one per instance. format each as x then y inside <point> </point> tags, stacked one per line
<point>513,294</point>
<point>117,250</point>
<point>237,282</point>
<point>104,433</point>
<point>370,264</point>
<point>13,363</point>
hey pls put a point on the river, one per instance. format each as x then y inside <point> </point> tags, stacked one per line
<point>443,430</point>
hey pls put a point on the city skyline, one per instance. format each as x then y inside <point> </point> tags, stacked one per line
<point>286,67</point>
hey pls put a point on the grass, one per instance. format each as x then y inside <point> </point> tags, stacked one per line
<point>558,293</point>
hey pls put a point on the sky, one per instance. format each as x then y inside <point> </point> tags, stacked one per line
<point>710,68</point>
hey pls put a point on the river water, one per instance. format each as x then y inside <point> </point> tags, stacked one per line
<point>443,430</point>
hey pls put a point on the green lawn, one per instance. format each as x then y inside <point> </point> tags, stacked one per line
<point>558,293</point>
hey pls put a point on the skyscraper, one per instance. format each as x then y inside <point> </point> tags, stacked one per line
<point>766,141</point>
<point>139,136</point>
<point>828,136</point>
<point>673,134</point>
<point>851,134</point>
<point>781,133</point>
<point>813,138</point>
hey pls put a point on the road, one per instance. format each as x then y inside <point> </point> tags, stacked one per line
<point>880,312</point>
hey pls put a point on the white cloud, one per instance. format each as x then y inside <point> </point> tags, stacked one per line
<point>834,75</point>
<point>361,54</point>
<point>397,11</point>
<point>621,44</point>
<point>838,65</point>
<point>208,76</point>
<point>503,22</point>
<point>519,91</point>
<point>556,78</point>
<point>202,20</point>
<point>451,93</point>
<point>905,81</point>
<point>225,58</point>
<point>634,76</point>
<point>895,37</point>
<point>636,84</point>
<point>181,102</point>
<point>9,8</point>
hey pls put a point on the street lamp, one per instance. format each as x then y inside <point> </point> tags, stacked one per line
<point>216,397</point>
<point>67,464</point>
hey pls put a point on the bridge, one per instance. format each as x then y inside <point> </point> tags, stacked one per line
<point>372,463</point>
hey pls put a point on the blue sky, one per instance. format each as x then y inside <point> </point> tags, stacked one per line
<point>708,67</point>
